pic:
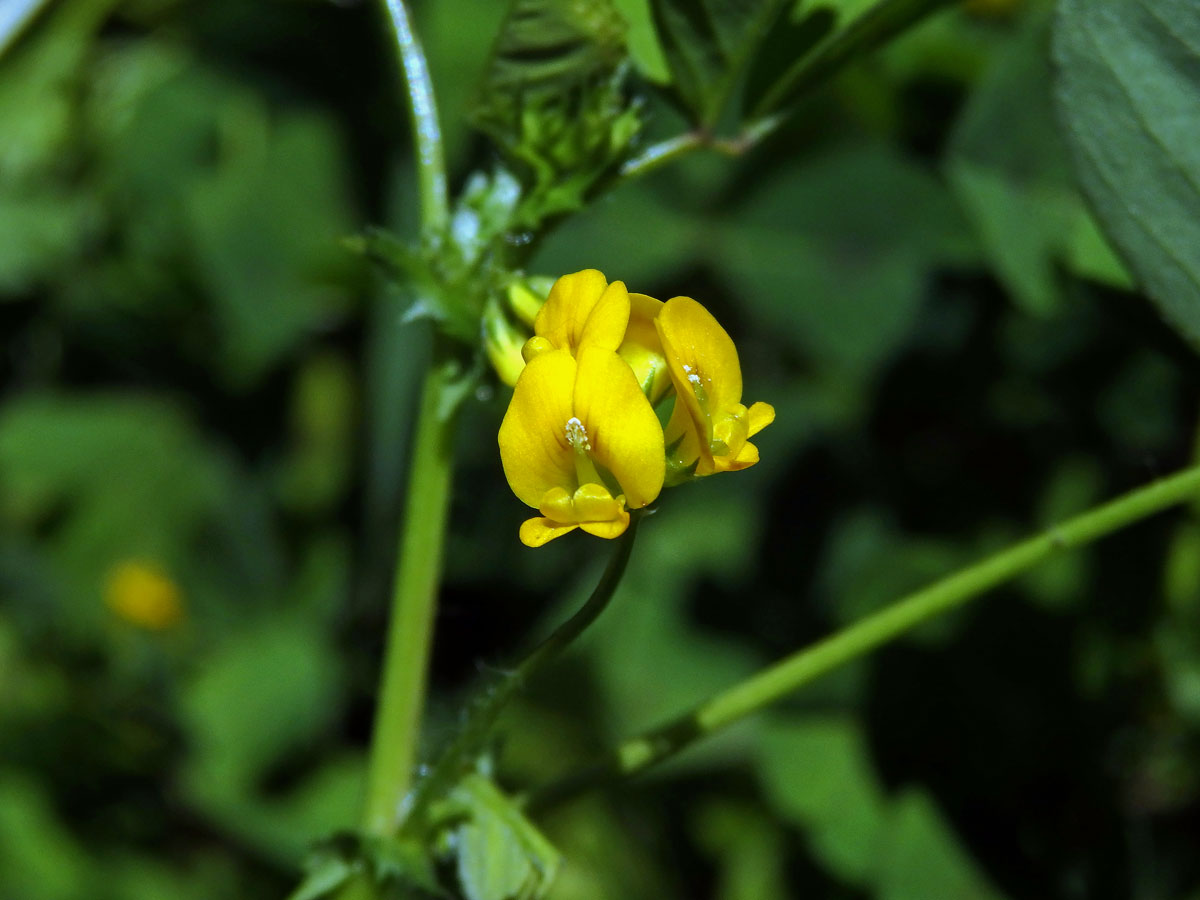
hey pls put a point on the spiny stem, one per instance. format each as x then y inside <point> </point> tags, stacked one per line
<point>477,728</point>
<point>784,677</point>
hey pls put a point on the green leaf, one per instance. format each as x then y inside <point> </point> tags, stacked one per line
<point>707,44</point>
<point>553,100</point>
<point>856,36</point>
<point>826,270</point>
<point>1009,166</point>
<point>501,855</point>
<point>1128,85</point>
<point>921,857</point>
<point>818,773</point>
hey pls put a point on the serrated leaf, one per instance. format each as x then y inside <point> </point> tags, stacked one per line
<point>545,45</point>
<point>708,43</point>
<point>1128,85</point>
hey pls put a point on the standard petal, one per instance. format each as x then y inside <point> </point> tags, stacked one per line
<point>533,444</point>
<point>625,434</point>
<point>584,309</point>
<point>536,532</point>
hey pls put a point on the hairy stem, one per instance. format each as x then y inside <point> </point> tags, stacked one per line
<point>482,716</point>
<point>782,678</point>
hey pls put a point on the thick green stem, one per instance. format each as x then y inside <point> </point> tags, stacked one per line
<point>427,133</point>
<point>785,676</point>
<point>481,717</point>
<point>414,601</point>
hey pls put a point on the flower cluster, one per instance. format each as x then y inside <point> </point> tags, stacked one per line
<point>583,441</point>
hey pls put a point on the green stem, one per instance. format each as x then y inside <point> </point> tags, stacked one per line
<point>427,133</point>
<point>481,717</point>
<point>414,600</point>
<point>662,153</point>
<point>784,677</point>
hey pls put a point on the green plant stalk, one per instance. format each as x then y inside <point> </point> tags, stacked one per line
<point>784,677</point>
<point>427,133</point>
<point>401,699</point>
<point>481,717</point>
<point>414,601</point>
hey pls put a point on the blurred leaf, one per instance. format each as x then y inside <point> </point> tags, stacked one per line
<point>920,857</point>
<point>1009,168</point>
<point>644,46</point>
<point>749,850</point>
<point>862,29</point>
<point>266,225</point>
<point>871,563</point>
<point>117,476</point>
<point>707,44</point>
<point>1129,94</point>
<point>821,268</point>
<point>39,860</point>
<point>1059,582</point>
<point>241,721</point>
<point>817,772</point>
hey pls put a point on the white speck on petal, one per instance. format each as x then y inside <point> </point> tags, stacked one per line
<point>577,435</point>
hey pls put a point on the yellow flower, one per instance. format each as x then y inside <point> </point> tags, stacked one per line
<point>580,441</point>
<point>142,594</point>
<point>583,309</point>
<point>709,426</point>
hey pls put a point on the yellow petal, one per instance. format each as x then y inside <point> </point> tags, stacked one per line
<point>746,457</point>
<point>533,446</point>
<point>704,367</point>
<point>625,435</point>
<point>642,348</point>
<point>583,310</point>
<point>761,415</point>
<point>607,530</point>
<point>536,532</point>
<point>691,337</point>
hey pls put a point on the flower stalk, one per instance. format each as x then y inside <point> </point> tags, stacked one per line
<point>789,674</point>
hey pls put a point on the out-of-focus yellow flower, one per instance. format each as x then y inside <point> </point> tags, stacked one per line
<point>580,442</point>
<point>143,594</point>
<point>709,427</point>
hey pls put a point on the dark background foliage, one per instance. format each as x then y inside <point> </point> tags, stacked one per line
<point>197,374</point>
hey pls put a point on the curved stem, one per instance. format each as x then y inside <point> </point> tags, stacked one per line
<point>778,680</point>
<point>427,133</point>
<point>663,152</point>
<point>414,600</point>
<point>482,715</point>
